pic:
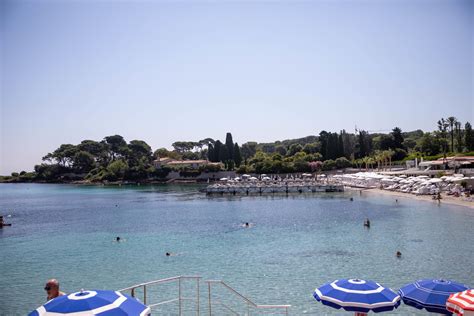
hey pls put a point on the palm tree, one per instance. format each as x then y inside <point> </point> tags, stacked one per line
<point>442,126</point>
<point>390,154</point>
<point>451,121</point>
<point>365,160</point>
<point>378,158</point>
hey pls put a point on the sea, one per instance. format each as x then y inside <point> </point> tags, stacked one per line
<point>294,244</point>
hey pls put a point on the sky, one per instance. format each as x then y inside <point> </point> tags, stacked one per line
<point>163,71</point>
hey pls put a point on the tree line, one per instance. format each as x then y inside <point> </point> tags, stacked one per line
<point>113,158</point>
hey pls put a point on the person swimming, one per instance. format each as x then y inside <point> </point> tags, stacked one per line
<point>117,239</point>
<point>399,254</point>
<point>351,199</point>
<point>367,223</point>
<point>168,254</point>
<point>2,223</point>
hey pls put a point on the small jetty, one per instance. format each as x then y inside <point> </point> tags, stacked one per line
<point>248,185</point>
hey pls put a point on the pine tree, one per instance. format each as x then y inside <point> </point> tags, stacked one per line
<point>340,143</point>
<point>223,154</point>
<point>397,138</point>
<point>229,143</point>
<point>459,140</point>
<point>217,151</point>
<point>468,137</point>
<point>210,153</point>
<point>237,155</point>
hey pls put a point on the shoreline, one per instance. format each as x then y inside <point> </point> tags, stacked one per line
<point>446,199</point>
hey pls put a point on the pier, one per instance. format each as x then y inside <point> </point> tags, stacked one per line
<point>265,185</point>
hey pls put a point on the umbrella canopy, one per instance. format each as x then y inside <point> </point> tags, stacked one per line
<point>461,303</point>
<point>85,303</point>
<point>356,295</point>
<point>430,294</point>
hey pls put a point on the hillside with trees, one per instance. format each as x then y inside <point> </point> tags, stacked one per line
<point>113,159</point>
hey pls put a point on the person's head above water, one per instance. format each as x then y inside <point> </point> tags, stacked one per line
<point>52,289</point>
<point>247,224</point>
<point>168,254</point>
<point>117,238</point>
<point>399,254</point>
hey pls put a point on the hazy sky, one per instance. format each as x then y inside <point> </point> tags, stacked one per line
<point>167,71</point>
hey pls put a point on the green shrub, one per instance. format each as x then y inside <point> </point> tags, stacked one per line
<point>329,165</point>
<point>342,162</point>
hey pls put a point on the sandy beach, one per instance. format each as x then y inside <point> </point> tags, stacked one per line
<point>446,199</point>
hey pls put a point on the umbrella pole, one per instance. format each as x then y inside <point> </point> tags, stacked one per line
<point>360,314</point>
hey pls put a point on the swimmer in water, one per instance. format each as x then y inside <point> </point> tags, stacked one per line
<point>352,199</point>
<point>367,223</point>
<point>2,223</point>
<point>399,254</point>
<point>117,239</point>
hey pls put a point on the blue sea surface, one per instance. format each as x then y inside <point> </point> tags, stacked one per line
<point>295,243</point>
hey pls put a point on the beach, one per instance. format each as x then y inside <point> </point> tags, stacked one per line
<point>446,199</point>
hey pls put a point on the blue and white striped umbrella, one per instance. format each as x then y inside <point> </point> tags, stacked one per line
<point>88,303</point>
<point>430,294</point>
<point>356,295</point>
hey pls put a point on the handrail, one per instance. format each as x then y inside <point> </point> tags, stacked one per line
<point>250,302</point>
<point>161,281</point>
<point>179,299</point>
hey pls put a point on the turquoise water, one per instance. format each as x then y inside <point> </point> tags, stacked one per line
<point>296,243</point>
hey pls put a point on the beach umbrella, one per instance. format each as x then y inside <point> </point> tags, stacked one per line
<point>430,294</point>
<point>358,296</point>
<point>461,303</point>
<point>99,302</point>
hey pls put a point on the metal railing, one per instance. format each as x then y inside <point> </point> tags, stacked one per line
<point>145,287</point>
<point>250,304</point>
<point>179,299</point>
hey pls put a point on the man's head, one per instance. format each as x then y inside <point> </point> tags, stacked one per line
<point>52,288</point>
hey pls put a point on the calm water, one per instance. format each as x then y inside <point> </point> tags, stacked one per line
<point>296,244</point>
